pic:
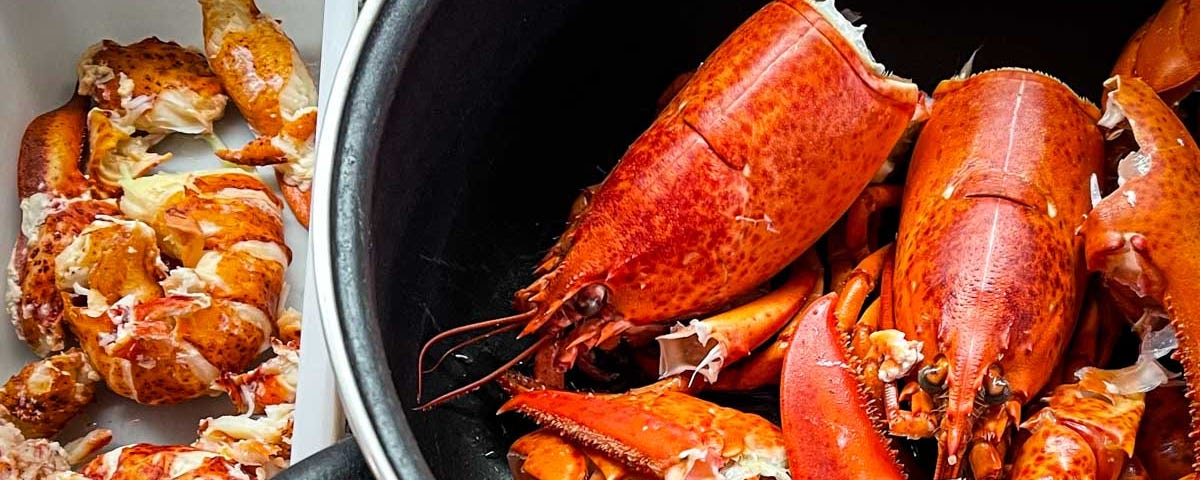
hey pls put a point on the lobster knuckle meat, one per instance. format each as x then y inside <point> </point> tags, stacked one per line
<point>988,271</point>
<point>1143,236</point>
<point>820,383</point>
<point>245,46</point>
<point>49,226</point>
<point>271,383</point>
<point>1165,51</point>
<point>44,395</point>
<point>662,432</point>
<point>763,149</point>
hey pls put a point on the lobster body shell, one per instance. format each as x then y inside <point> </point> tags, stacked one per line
<point>755,158</point>
<point>988,269</point>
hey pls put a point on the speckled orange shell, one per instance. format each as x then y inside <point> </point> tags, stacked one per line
<point>1165,51</point>
<point>1153,218</point>
<point>988,268</point>
<point>51,149</point>
<point>755,158</point>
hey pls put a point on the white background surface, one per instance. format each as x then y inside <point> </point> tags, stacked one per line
<point>40,43</point>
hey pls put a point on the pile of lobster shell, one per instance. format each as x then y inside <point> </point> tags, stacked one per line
<point>164,286</point>
<point>742,241</point>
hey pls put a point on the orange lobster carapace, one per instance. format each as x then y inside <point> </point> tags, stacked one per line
<point>989,275</point>
<point>754,159</point>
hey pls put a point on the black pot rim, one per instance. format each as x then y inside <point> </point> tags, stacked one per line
<point>380,45</point>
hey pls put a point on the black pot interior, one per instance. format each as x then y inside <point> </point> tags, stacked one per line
<point>474,125</point>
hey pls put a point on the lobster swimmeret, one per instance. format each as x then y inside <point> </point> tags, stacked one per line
<point>754,159</point>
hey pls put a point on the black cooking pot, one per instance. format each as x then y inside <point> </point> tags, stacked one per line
<point>467,128</point>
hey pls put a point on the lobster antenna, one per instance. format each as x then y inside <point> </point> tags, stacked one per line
<point>468,342</point>
<point>499,322</point>
<point>491,376</point>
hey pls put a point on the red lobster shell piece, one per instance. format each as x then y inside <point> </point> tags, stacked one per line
<point>665,433</point>
<point>820,385</point>
<point>1165,51</point>
<point>988,271</point>
<point>760,153</point>
<point>1144,235</point>
<point>1087,430</point>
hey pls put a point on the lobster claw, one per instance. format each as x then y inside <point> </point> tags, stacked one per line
<point>819,383</point>
<point>661,431</point>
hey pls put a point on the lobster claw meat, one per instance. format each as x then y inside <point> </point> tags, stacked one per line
<point>263,73</point>
<point>1165,51</point>
<point>820,383</point>
<point>705,346</point>
<point>661,432</point>
<point>988,274</point>
<point>1143,236</point>
<point>150,86</point>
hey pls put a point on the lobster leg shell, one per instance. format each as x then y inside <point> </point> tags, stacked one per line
<point>705,346</point>
<point>1144,235</point>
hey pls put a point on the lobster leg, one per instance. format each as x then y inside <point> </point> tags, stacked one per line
<point>705,346</point>
<point>850,241</point>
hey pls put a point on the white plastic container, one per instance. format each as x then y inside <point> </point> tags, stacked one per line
<point>40,43</point>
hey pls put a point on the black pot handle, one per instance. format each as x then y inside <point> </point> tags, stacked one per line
<point>342,460</point>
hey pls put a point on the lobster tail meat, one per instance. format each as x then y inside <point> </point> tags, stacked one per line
<point>821,384</point>
<point>1144,235</point>
<point>988,272</point>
